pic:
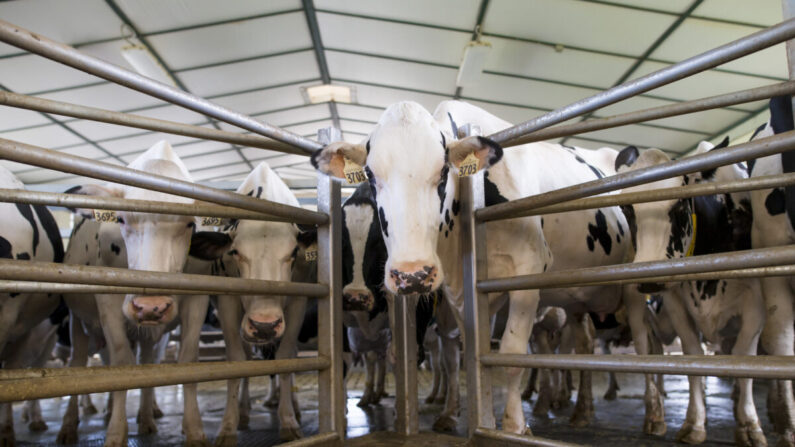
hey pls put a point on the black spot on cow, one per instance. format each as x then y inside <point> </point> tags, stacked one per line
<point>618,239</point>
<point>608,322</point>
<point>370,182</point>
<point>629,214</point>
<point>24,256</point>
<point>591,245</point>
<point>491,193</point>
<point>452,222</point>
<point>775,202</point>
<point>542,222</point>
<point>620,228</point>
<point>456,207</point>
<point>441,225</point>
<point>599,233</point>
<point>442,186</point>
<point>597,172</point>
<point>679,216</point>
<point>115,248</point>
<point>367,147</point>
<point>453,125</point>
<point>781,121</point>
<point>259,191</point>
<point>707,289</point>
<point>51,230</point>
<point>447,216</point>
<point>86,248</point>
<point>384,223</point>
<point>250,193</point>
<point>752,161</point>
<point>545,267</point>
<point>446,233</point>
<point>5,248</point>
<point>495,154</point>
<point>27,213</point>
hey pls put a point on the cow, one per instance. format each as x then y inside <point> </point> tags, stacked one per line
<point>154,242</point>
<point>257,250</point>
<point>774,225</point>
<point>27,233</point>
<point>412,161</point>
<point>725,312</point>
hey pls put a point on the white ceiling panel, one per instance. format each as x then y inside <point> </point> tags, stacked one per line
<point>173,113</point>
<point>101,131</point>
<point>14,166</point>
<point>580,24</point>
<point>511,114</point>
<point>48,137</point>
<point>232,41</point>
<point>353,111</point>
<point>285,160</point>
<point>238,171</point>
<point>42,176</point>
<point>451,13</point>
<point>675,6</point>
<point>588,144</point>
<point>156,15</point>
<point>33,73</point>
<point>61,21</point>
<point>251,74</point>
<point>252,153</point>
<point>759,12</point>
<point>86,150</point>
<point>696,36</point>
<point>309,128</point>
<point>384,96</point>
<point>141,143</point>
<point>265,100</point>
<point>392,39</point>
<point>209,160</point>
<point>298,115</point>
<point>14,118</point>
<point>106,96</point>
<point>526,92</point>
<point>352,138</point>
<point>648,137</point>
<point>393,73</point>
<point>197,149</point>
<point>108,51</point>
<point>356,126</point>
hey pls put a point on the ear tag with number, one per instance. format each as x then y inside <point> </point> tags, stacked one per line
<point>354,173</point>
<point>311,253</point>
<point>105,216</point>
<point>469,166</point>
<point>211,221</point>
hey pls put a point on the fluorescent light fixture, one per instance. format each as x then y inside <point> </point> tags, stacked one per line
<point>327,93</point>
<point>144,62</point>
<point>472,64</point>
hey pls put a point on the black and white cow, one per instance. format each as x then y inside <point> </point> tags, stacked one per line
<point>724,312</point>
<point>774,225</point>
<point>412,161</point>
<point>27,232</point>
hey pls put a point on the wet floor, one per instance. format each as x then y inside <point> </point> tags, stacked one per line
<point>616,422</point>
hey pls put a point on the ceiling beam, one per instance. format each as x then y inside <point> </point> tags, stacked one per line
<point>484,6</point>
<point>145,42</point>
<point>320,55</point>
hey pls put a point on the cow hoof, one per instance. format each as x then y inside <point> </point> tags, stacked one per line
<point>528,394</point>
<point>108,414</point>
<point>430,399</point>
<point>157,413</point>
<point>364,401</point>
<point>542,406</point>
<point>116,441</point>
<point>611,394</point>
<point>89,410</point>
<point>242,422</point>
<point>690,434</point>
<point>229,440</point>
<point>290,433</point>
<point>147,428</point>
<point>445,424</point>
<point>581,418</point>
<point>654,428</point>
<point>36,426</point>
<point>750,435</point>
<point>298,416</point>
<point>67,435</point>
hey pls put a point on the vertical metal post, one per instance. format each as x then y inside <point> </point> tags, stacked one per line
<point>480,409</point>
<point>331,397</point>
<point>405,342</point>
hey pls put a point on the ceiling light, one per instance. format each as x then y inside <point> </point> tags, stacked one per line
<point>472,64</point>
<point>144,62</point>
<point>327,93</point>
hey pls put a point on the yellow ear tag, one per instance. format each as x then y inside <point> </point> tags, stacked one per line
<point>211,221</point>
<point>311,253</point>
<point>354,173</point>
<point>105,216</point>
<point>469,166</point>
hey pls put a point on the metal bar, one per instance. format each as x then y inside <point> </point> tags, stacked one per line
<point>713,102</point>
<point>35,43</point>
<point>142,122</point>
<point>760,257</point>
<point>45,158</point>
<point>480,407</point>
<point>110,276</point>
<point>745,366</point>
<point>495,438</point>
<point>733,154</point>
<point>758,272</point>
<point>142,206</point>
<point>696,64</point>
<point>405,370</point>
<point>679,192</point>
<point>25,384</point>
<point>330,438</point>
<point>7,286</point>
<point>331,397</point>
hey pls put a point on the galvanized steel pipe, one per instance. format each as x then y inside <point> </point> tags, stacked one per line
<point>83,274</point>
<point>25,384</point>
<point>35,43</point>
<point>45,158</point>
<point>696,64</point>
<point>745,366</point>
<point>759,257</point>
<point>733,154</point>
<point>7,286</point>
<point>758,272</point>
<point>698,105</point>
<point>143,122</point>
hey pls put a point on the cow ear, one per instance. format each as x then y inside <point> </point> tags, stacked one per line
<point>626,157</point>
<point>722,144</point>
<point>307,237</point>
<point>209,245</point>
<point>331,159</point>
<point>485,151</point>
<point>93,190</point>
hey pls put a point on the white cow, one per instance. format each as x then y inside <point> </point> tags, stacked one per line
<point>26,233</point>
<point>154,242</point>
<point>412,161</point>
<point>722,311</point>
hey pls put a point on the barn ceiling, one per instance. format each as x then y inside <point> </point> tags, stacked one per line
<point>254,57</point>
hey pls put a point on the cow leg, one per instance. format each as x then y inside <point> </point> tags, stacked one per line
<point>289,425</point>
<point>777,339</point>
<point>369,368</point>
<point>527,394</point>
<point>524,306</point>
<point>380,379</point>
<point>432,344</point>
<point>748,431</point>
<point>545,387</point>
<point>114,327</point>
<point>451,361</point>
<point>272,401</point>
<point>230,314</point>
<point>192,312</point>
<point>32,407</point>
<point>583,335</point>
<point>87,406</point>
<point>245,396</point>
<point>612,387</point>
<point>146,419</point>
<point>656,347</point>
<point>160,354</point>
<point>79,357</point>
<point>654,422</point>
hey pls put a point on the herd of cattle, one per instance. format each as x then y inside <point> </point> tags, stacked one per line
<point>400,239</point>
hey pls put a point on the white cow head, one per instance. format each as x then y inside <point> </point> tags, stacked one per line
<point>261,250</point>
<point>408,161</point>
<point>155,242</point>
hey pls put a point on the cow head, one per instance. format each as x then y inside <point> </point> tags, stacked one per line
<point>408,162</point>
<point>260,250</point>
<point>154,242</point>
<point>660,230</point>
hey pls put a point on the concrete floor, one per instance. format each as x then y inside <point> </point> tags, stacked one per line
<point>616,423</point>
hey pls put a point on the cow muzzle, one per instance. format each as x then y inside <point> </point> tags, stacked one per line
<point>413,277</point>
<point>357,299</point>
<point>262,329</point>
<point>650,287</point>
<point>151,310</point>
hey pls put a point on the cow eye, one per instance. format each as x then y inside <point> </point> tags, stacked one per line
<point>191,224</point>
<point>120,220</point>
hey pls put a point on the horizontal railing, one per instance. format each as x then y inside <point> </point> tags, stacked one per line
<point>111,276</point>
<point>10,286</point>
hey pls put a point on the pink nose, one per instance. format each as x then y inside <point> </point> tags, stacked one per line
<point>151,309</point>
<point>412,277</point>
<point>262,328</point>
<point>357,299</point>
